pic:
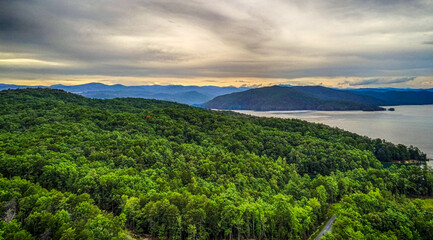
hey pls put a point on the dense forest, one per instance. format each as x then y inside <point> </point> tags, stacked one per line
<point>78,168</point>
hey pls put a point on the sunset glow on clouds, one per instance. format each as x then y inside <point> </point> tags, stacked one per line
<point>373,43</point>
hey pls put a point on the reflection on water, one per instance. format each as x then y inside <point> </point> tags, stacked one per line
<point>409,125</point>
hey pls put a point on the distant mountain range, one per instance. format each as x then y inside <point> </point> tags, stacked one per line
<point>283,97</point>
<point>278,98</point>
<point>192,95</point>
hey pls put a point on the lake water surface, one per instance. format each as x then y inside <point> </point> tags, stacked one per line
<point>408,125</point>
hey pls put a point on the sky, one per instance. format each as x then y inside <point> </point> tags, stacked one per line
<point>347,44</point>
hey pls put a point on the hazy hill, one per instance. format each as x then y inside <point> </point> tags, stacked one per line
<point>12,86</point>
<point>294,98</point>
<point>389,89</point>
<point>400,97</point>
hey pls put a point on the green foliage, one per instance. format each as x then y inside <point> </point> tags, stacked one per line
<point>93,167</point>
<point>31,211</point>
<point>380,215</point>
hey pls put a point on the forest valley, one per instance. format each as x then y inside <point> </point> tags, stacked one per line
<point>78,168</point>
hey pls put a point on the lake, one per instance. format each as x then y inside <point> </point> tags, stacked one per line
<point>408,125</point>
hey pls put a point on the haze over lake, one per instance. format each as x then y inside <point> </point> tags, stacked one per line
<point>408,125</point>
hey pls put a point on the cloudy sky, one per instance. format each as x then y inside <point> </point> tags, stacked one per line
<point>352,43</point>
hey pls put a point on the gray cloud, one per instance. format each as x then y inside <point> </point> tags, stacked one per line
<point>267,39</point>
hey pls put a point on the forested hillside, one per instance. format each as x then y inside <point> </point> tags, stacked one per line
<point>277,98</point>
<point>79,168</point>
